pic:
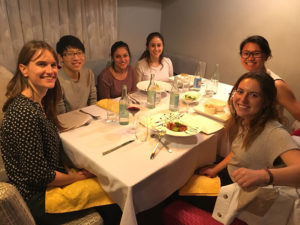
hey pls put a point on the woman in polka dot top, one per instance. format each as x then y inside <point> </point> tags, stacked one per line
<point>30,144</point>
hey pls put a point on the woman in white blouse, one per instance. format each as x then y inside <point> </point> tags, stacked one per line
<point>153,61</point>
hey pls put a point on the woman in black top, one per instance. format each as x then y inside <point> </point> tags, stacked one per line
<point>30,144</point>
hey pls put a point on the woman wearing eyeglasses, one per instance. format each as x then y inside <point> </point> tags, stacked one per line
<point>77,82</point>
<point>255,51</point>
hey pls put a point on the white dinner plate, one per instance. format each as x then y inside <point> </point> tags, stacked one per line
<point>193,94</point>
<point>160,86</point>
<point>160,120</point>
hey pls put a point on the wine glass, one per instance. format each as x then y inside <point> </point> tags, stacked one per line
<point>133,109</point>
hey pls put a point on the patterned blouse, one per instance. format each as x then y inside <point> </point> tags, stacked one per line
<point>31,147</point>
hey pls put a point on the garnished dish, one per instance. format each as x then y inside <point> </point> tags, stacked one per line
<point>174,123</point>
<point>177,127</point>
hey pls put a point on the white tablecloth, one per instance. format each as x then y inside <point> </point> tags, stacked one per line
<point>133,181</point>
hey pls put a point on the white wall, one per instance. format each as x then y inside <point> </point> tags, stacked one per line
<point>136,19</point>
<point>211,30</point>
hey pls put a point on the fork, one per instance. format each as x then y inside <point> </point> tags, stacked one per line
<point>135,101</point>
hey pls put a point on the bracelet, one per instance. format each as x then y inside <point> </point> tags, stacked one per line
<point>270,175</point>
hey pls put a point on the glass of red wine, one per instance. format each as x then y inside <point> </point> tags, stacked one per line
<point>133,109</point>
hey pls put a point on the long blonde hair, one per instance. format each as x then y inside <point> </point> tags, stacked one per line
<point>19,82</point>
<point>266,113</point>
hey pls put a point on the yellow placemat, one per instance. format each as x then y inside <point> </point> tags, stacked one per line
<point>109,104</point>
<point>199,185</point>
<point>79,195</point>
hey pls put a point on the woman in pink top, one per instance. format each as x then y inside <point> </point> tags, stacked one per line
<point>111,79</point>
<point>153,61</point>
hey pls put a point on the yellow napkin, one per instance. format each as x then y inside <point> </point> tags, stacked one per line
<point>109,104</point>
<point>79,195</point>
<point>199,185</point>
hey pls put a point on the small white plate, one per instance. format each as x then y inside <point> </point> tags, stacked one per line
<point>191,77</point>
<point>218,115</point>
<point>193,94</point>
<point>161,86</point>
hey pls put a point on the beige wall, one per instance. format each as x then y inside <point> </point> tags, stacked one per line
<point>211,30</point>
<point>136,19</point>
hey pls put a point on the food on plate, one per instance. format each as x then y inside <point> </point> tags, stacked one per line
<point>191,96</point>
<point>218,104</point>
<point>176,126</point>
<point>184,74</point>
<point>209,108</point>
<point>157,87</point>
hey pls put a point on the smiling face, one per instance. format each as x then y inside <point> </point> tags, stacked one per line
<point>73,59</point>
<point>256,60</point>
<point>155,47</point>
<point>121,59</point>
<point>41,71</point>
<point>248,99</point>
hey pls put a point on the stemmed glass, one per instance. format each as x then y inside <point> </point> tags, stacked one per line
<point>133,109</point>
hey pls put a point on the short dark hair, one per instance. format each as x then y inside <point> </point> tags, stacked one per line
<point>260,41</point>
<point>68,41</point>
<point>114,47</point>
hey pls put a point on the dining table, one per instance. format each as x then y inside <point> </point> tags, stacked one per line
<point>128,175</point>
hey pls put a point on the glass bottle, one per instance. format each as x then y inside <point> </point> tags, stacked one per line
<point>174,96</point>
<point>199,74</point>
<point>123,105</point>
<point>215,79</point>
<point>151,93</point>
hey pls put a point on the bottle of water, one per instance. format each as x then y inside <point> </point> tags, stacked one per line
<point>123,105</point>
<point>199,74</point>
<point>215,79</point>
<point>174,96</point>
<point>151,93</point>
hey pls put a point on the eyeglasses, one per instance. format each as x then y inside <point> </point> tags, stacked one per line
<point>72,54</point>
<point>246,54</point>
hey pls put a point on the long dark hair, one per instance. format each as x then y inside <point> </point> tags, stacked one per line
<point>146,53</point>
<point>267,112</point>
<point>19,82</point>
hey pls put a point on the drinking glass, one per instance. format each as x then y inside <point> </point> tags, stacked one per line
<point>186,83</point>
<point>110,116</point>
<point>210,88</point>
<point>133,109</point>
<point>141,127</point>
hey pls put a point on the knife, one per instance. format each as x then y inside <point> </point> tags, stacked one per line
<point>154,150</point>
<point>115,148</point>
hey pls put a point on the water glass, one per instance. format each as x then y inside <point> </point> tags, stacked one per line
<point>186,84</point>
<point>210,89</point>
<point>110,116</point>
<point>141,129</point>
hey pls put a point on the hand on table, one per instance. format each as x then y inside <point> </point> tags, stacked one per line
<point>208,171</point>
<point>247,178</point>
